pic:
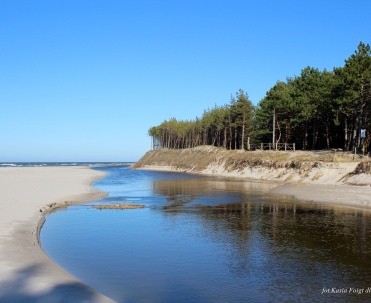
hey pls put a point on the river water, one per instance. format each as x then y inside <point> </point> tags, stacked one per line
<point>204,239</point>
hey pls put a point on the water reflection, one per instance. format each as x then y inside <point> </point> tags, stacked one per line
<point>211,240</point>
<point>278,237</point>
<point>209,191</point>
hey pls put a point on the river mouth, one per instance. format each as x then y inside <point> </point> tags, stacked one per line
<point>202,239</point>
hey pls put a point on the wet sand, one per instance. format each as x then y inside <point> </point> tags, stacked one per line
<point>342,195</point>
<point>27,274</point>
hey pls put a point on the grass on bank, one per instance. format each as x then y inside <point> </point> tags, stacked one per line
<point>198,158</point>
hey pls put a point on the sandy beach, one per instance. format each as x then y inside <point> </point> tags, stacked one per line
<point>341,195</point>
<point>27,194</point>
<point>27,274</point>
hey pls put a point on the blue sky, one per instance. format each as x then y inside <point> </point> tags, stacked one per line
<point>85,80</point>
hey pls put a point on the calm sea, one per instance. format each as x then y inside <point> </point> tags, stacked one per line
<point>40,164</point>
<point>203,239</point>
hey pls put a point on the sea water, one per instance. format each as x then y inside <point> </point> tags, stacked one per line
<point>42,164</point>
<point>204,239</point>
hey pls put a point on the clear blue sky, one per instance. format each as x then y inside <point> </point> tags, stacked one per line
<point>85,80</point>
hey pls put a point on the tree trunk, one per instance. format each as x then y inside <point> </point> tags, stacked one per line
<point>243,133</point>
<point>230,132</point>
<point>225,137</point>
<point>280,135</point>
<point>314,135</point>
<point>352,137</point>
<point>274,129</point>
<point>345,134</point>
<point>360,116</point>
<point>305,134</point>
<point>235,138</point>
<point>327,138</point>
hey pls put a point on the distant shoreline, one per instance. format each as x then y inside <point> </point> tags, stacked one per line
<point>66,163</point>
<point>27,194</point>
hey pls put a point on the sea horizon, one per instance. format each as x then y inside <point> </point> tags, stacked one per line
<point>63,163</point>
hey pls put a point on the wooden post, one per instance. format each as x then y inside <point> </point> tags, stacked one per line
<point>261,146</point>
<point>293,146</point>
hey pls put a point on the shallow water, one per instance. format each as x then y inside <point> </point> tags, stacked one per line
<point>203,239</point>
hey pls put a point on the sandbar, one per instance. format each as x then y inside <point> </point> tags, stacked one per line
<point>27,274</point>
<point>330,194</point>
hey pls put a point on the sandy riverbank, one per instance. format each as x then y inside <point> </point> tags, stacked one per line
<point>27,274</point>
<point>327,189</point>
<point>318,176</point>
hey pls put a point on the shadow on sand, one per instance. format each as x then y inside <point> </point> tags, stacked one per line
<point>18,288</point>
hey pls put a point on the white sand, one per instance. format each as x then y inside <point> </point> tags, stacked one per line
<point>342,195</point>
<point>27,274</point>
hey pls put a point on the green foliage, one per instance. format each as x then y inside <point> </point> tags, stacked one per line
<point>317,109</point>
<point>227,125</point>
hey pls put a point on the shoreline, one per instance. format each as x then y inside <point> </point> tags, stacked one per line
<point>27,195</point>
<point>350,196</point>
<point>326,177</point>
<point>327,193</point>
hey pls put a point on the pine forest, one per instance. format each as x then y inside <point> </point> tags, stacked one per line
<point>315,110</point>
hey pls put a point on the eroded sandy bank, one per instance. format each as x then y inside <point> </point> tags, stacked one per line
<point>327,192</point>
<point>324,177</point>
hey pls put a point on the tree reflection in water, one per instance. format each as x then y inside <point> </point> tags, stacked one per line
<point>278,239</point>
<point>203,239</point>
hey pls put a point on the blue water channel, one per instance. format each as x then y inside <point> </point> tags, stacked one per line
<point>203,239</point>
